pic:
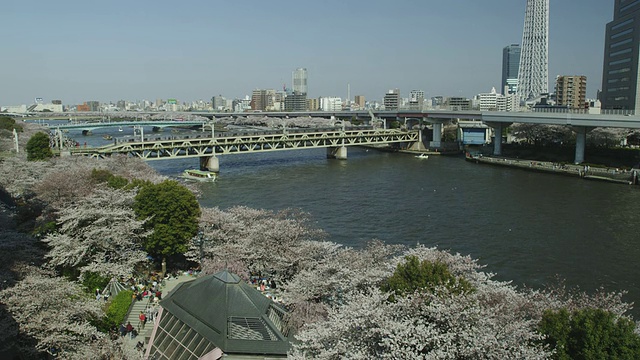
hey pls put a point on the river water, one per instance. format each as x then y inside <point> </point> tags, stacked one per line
<point>524,226</point>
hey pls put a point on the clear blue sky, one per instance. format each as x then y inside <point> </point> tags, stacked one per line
<point>109,50</point>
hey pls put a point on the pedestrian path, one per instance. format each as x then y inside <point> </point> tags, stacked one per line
<point>146,304</point>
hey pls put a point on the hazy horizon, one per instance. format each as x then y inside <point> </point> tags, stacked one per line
<point>78,51</point>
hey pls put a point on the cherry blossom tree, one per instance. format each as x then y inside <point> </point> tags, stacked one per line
<point>489,322</point>
<point>55,312</point>
<point>99,234</point>
<point>259,240</point>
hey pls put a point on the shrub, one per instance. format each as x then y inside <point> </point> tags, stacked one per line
<point>414,275</point>
<point>8,123</point>
<point>38,147</point>
<point>117,310</point>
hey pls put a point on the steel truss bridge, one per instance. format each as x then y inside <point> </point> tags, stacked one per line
<point>224,145</point>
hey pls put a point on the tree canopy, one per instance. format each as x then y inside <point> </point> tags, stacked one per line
<point>172,212</point>
<point>413,275</point>
<point>590,334</point>
<point>38,147</point>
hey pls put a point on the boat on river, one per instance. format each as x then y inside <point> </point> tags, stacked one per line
<point>422,156</point>
<point>107,137</point>
<point>199,175</point>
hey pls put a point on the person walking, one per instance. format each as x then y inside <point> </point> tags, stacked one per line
<point>143,320</point>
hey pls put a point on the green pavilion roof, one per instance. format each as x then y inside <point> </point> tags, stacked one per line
<point>230,313</point>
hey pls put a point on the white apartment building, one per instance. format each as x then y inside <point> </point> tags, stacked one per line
<point>493,101</point>
<point>330,104</point>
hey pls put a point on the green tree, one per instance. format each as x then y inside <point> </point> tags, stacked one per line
<point>8,123</point>
<point>590,334</point>
<point>38,147</point>
<point>173,214</point>
<point>413,275</point>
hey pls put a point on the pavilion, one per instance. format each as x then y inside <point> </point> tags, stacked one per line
<point>218,315</point>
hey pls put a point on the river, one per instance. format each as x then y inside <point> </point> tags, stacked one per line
<point>524,226</point>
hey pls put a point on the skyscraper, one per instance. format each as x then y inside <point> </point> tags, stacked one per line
<point>510,67</point>
<point>533,76</point>
<point>620,85</point>
<point>300,80</point>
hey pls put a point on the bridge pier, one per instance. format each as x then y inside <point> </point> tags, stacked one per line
<point>339,153</point>
<point>581,141</point>
<point>210,163</point>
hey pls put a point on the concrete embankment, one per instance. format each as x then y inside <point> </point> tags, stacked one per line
<point>587,172</point>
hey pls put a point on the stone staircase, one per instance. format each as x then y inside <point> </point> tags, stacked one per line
<point>134,316</point>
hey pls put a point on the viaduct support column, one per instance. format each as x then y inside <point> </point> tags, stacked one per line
<point>581,140</point>
<point>437,135</point>
<point>210,163</point>
<point>497,137</point>
<point>339,153</point>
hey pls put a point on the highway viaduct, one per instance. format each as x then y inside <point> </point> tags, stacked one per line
<point>581,123</point>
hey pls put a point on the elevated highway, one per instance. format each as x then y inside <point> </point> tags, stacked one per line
<point>579,121</point>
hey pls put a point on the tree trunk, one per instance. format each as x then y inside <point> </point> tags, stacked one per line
<point>164,266</point>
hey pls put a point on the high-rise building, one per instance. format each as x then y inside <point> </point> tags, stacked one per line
<point>533,74</point>
<point>510,67</point>
<point>360,101</point>
<point>300,80</point>
<point>330,104</point>
<point>295,102</point>
<point>392,99</point>
<point>571,91</point>
<point>620,85</point>
<point>259,99</point>
<point>312,104</point>
<point>416,99</point>
<point>218,103</point>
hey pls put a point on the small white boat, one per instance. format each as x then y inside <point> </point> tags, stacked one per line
<point>199,175</point>
<point>422,156</point>
<point>120,128</point>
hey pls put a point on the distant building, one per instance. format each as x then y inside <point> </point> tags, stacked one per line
<point>312,104</point>
<point>330,104</point>
<point>416,99</point>
<point>437,102</point>
<point>219,103</point>
<point>295,102</point>
<point>241,105</point>
<point>262,100</point>
<point>510,69</point>
<point>360,101</point>
<point>458,104</point>
<point>391,99</point>
<point>489,101</point>
<point>571,91</point>
<point>620,85</point>
<point>300,80</point>
<point>93,105</point>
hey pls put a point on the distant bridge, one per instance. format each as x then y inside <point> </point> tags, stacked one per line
<point>206,148</point>
<point>579,121</point>
<point>104,124</point>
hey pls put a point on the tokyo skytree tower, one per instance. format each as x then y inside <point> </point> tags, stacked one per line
<point>533,77</point>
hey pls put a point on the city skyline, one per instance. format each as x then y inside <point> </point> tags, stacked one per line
<point>77,51</point>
